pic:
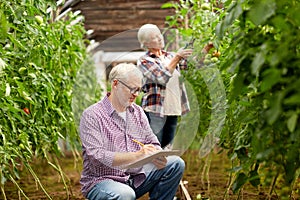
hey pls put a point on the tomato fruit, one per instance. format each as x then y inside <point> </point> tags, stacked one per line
<point>216,54</point>
<point>26,110</point>
<point>22,146</point>
<point>214,59</point>
<point>208,56</point>
<point>22,69</point>
<point>206,61</point>
<point>205,6</point>
<point>39,19</point>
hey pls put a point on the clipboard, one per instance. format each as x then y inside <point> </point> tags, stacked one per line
<point>150,157</point>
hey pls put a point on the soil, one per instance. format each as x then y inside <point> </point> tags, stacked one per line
<point>204,179</point>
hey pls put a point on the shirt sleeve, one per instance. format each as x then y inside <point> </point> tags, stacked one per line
<point>154,70</point>
<point>93,143</point>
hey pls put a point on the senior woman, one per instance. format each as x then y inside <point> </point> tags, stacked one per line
<point>164,98</point>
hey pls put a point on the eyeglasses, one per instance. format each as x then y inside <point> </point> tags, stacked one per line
<point>133,90</point>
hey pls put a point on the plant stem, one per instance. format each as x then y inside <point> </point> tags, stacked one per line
<point>229,183</point>
<point>19,188</point>
<point>36,179</point>
<point>62,175</point>
<point>3,192</point>
<point>273,185</point>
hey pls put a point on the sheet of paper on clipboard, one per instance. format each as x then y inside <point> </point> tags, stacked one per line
<point>149,158</point>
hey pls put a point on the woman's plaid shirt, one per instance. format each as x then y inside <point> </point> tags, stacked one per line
<point>154,88</point>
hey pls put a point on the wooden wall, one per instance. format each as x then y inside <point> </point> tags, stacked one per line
<point>115,22</point>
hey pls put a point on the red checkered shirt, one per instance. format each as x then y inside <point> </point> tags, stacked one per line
<point>103,132</point>
<point>157,77</point>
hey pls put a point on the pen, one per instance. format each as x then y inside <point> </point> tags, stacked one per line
<point>138,142</point>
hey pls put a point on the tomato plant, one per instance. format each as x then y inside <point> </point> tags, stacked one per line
<point>259,63</point>
<point>40,58</point>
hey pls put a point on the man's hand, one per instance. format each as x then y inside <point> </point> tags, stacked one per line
<point>123,158</point>
<point>148,149</point>
<point>160,162</point>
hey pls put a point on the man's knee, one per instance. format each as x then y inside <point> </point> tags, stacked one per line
<point>111,190</point>
<point>177,164</point>
<point>181,164</point>
<point>127,194</point>
<point>176,160</point>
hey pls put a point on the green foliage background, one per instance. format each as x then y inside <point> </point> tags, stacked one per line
<point>44,67</point>
<point>40,59</point>
<point>260,67</point>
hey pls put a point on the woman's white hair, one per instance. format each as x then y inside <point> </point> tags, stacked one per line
<point>143,33</point>
<point>123,71</point>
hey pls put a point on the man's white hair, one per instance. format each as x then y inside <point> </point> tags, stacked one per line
<point>122,71</point>
<point>144,32</point>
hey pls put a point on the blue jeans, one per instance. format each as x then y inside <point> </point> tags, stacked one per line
<point>163,127</point>
<point>161,184</point>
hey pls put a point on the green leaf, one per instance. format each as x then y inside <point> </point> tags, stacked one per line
<point>254,178</point>
<point>293,15</point>
<point>261,11</point>
<point>3,24</point>
<point>258,61</point>
<point>7,90</point>
<point>280,22</point>
<point>293,100</point>
<point>270,78</point>
<point>275,110</point>
<point>3,180</point>
<point>292,122</point>
<point>239,182</point>
<point>238,85</point>
<point>168,5</point>
<point>234,13</point>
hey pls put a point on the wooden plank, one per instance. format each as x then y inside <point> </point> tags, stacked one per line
<point>101,33</point>
<point>120,43</point>
<point>100,4</point>
<point>124,27</point>
<point>109,57</point>
<point>185,191</point>
<point>126,14</point>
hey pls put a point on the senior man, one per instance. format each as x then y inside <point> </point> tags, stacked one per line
<point>108,129</point>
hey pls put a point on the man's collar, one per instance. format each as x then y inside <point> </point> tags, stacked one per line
<point>111,109</point>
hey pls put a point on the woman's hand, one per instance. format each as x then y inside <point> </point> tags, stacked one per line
<point>184,53</point>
